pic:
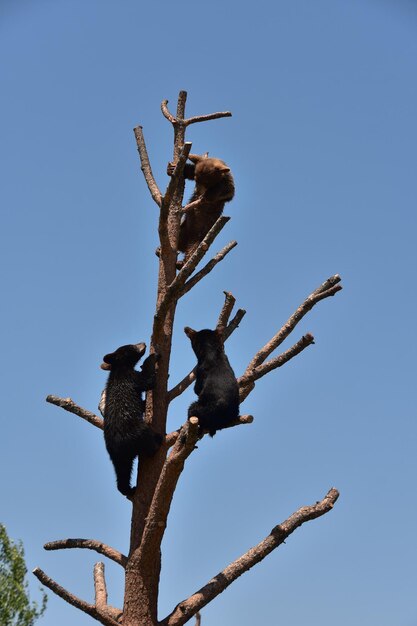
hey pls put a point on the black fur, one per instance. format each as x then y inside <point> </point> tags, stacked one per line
<point>216,385</point>
<point>125,433</point>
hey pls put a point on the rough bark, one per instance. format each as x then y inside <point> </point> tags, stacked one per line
<point>88,544</point>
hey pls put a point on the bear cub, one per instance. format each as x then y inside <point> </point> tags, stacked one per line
<point>216,386</point>
<point>214,186</point>
<point>126,434</point>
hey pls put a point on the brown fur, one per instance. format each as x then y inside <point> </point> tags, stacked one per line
<point>214,187</point>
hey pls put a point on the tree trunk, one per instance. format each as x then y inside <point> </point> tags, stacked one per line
<point>158,476</point>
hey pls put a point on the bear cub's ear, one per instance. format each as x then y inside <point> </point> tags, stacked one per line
<point>190,332</point>
<point>196,158</point>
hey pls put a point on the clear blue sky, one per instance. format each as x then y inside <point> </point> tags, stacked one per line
<point>322,144</point>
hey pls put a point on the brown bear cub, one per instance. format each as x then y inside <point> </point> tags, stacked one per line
<point>126,434</point>
<point>215,385</point>
<point>214,186</point>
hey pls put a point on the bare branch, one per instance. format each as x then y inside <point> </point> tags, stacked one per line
<point>330,282</point>
<point>174,289</point>
<point>171,438</point>
<point>182,99</point>
<point>89,544</point>
<point>197,619</point>
<point>186,609</point>
<point>207,268</point>
<point>182,385</point>
<point>241,420</point>
<point>171,203</point>
<point>192,205</point>
<point>181,112</point>
<point>328,288</point>
<point>189,379</point>
<point>90,609</point>
<point>229,303</point>
<point>261,370</point>
<point>166,113</point>
<point>100,587</point>
<point>247,381</point>
<point>206,118</point>
<point>69,405</point>
<point>231,327</point>
<point>201,250</point>
<point>146,166</point>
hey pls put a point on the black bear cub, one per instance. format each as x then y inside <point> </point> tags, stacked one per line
<point>214,186</point>
<point>125,433</point>
<point>216,386</point>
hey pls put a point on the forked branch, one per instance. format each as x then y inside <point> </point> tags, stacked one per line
<point>230,328</point>
<point>91,609</point>
<point>186,609</point>
<point>208,267</point>
<point>174,289</point>
<point>229,303</point>
<point>234,324</point>
<point>247,382</point>
<point>257,367</point>
<point>327,289</point>
<point>191,120</point>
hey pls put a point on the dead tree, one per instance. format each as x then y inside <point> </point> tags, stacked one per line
<point>158,476</point>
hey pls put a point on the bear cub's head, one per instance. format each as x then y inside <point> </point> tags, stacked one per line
<point>208,171</point>
<point>204,341</point>
<point>124,357</point>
